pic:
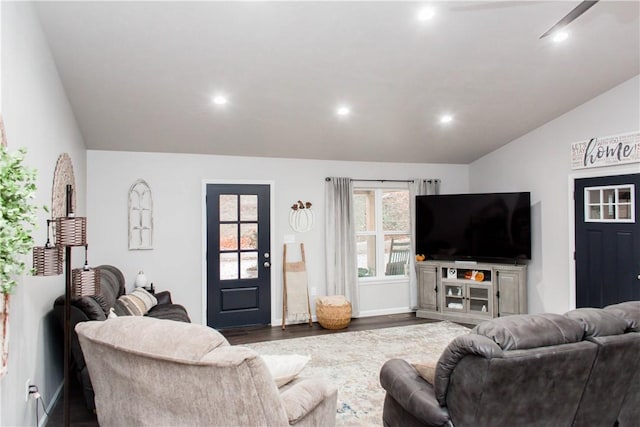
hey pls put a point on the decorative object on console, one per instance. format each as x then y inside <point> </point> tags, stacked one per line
<point>452,273</point>
<point>140,216</point>
<point>301,217</point>
<point>476,275</point>
<point>141,280</point>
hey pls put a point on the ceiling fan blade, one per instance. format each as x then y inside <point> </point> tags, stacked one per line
<point>576,12</point>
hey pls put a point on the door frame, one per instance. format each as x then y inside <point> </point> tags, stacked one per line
<point>274,255</point>
<point>588,173</point>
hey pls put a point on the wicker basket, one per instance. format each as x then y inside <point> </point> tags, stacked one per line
<point>333,312</point>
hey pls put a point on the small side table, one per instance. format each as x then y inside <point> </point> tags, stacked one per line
<point>150,289</point>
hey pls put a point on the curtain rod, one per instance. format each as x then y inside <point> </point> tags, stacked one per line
<point>386,180</point>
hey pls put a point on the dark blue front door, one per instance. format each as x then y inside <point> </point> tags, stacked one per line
<point>238,255</point>
<point>607,240</point>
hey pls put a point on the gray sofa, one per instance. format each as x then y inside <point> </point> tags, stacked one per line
<point>529,370</point>
<point>112,286</point>
<point>159,373</point>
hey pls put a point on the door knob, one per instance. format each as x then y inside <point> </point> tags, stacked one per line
<point>267,255</point>
<point>267,264</point>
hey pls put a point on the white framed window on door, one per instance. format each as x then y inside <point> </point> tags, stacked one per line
<point>611,203</point>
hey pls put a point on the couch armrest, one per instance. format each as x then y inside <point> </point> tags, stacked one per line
<point>164,297</point>
<point>464,345</point>
<point>414,394</point>
<point>304,396</point>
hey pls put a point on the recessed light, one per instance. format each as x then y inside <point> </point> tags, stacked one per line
<point>446,118</point>
<point>220,100</point>
<point>343,111</point>
<point>425,14</point>
<point>560,36</point>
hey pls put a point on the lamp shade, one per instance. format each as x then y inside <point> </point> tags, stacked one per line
<point>85,281</point>
<point>47,260</point>
<point>71,231</point>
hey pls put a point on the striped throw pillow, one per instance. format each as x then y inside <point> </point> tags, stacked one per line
<point>138,302</point>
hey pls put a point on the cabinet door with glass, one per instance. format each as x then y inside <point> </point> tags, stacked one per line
<point>454,297</point>
<point>479,301</point>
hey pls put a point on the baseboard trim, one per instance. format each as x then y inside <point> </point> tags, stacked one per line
<point>277,323</point>
<point>51,406</point>
<point>385,311</point>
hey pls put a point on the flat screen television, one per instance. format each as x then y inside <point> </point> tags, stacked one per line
<point>469,227</point>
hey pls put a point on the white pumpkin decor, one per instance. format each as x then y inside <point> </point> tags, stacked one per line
<point>301,217</point>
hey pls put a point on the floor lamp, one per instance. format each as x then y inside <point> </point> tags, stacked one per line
<point>70,231</point>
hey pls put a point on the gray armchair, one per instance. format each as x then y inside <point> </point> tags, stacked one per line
<point>153,372</point>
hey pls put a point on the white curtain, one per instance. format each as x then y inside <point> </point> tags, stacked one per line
<point>340,241</point>
<point>419,187</point>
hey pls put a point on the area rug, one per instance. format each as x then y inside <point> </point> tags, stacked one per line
<point>352,361</point>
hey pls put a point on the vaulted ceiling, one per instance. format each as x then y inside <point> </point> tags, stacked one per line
<point>140,76</point>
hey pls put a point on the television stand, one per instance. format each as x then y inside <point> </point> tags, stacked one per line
<point>470,293</point>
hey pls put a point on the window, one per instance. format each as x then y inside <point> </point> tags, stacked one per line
<point>382,231</point>
<point>609,204</point>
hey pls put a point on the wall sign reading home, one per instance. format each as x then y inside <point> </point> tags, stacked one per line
<point>607,151</point>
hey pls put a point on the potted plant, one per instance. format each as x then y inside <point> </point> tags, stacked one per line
<point>17,221</point>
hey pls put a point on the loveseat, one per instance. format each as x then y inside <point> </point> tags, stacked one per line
<point>575,369</point>
<point>160,373</point>
<point>112,287</point>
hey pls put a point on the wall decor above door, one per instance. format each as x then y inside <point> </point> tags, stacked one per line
<point>606,151</point>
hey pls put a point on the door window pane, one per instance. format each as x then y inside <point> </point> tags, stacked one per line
<point>612,203</point>
<point>609,196</point>
<point>228,207</point>
<point>624,195</point>
<point>366,253</point>
<point>624,212</point>
<point>228,237</point>
<point>248,207</point>
<point>229,266</point>
<point>609,211</point>
<point>249,265</point>
<point>395,210</point>
<point>248,236</point>
<point>364,202</point>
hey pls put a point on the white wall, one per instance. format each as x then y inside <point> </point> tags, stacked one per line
<point>540,162</point>
<point>176,262</point>
<point>37,116</point>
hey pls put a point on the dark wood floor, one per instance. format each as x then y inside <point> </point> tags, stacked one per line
<point>82,417</point>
